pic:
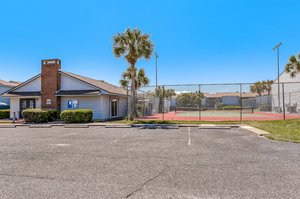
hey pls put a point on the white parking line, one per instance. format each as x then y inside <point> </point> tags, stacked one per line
<point>70,134</point>
<point>119,139</point>
<point>189,136</point>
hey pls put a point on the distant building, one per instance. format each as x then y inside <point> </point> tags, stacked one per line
<point>5,86</point>
<point>249,99</point>
<point>291,90</point>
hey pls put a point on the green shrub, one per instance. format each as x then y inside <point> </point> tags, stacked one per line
<point>35,115</point>
<point>4,114</point>
<point>77,116</point>
<point>4,107</point>
<point>265,108</point>
<point>39,115</point>
<point>231,108</point>
<point>219,106</point>
<point>52,115</point>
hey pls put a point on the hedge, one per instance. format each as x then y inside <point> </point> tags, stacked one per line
<point>77,116</point>
<point>4,114</point>
<point>52,115</point>
<point>4,107</point>
<point>231,107</point>
<point>39,115</point>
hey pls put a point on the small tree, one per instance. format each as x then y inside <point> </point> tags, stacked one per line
<point>190,99</point>
<point>293,66</point>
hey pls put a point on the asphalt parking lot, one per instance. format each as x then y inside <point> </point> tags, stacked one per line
<point>100,162</point>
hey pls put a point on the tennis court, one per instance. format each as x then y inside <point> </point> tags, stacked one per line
<point>218,102</point>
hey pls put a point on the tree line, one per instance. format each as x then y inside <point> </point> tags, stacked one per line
<point>261,87</point>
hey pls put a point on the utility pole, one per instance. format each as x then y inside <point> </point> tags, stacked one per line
<point>156,56</point>
<point>278,72</point>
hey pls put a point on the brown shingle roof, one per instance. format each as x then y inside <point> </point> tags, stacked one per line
<point>219,95</point>
<point>99,84</point>
<point>9,84</point>
<point>77,92</point>
<point>22,94</point>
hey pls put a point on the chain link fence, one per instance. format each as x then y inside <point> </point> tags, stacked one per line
<point>216,102</point>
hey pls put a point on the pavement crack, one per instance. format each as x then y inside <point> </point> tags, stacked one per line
<point>146,182</point>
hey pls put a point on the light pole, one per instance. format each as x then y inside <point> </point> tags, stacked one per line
<point>156,56</point>
<point>278,72</point>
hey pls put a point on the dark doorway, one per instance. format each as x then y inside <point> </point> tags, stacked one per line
<point>26,104</point>
<point>114,108</point>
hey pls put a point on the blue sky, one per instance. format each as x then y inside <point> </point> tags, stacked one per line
<point>197,41</point>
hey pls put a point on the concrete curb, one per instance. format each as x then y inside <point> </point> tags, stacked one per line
<point>76,126</point>
<point>188,125</point>
<point>156,125</point>
<point>40,126</point>
<point>254,130</point>
<point>116,126</point>
<point>214,126</point>
<point>7,126</point>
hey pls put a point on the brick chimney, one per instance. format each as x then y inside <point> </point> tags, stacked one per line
<point>51,80</point>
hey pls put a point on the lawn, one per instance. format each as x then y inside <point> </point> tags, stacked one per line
<point>282,130</point>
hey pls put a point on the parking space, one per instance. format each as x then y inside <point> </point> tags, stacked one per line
<point>188,162</point>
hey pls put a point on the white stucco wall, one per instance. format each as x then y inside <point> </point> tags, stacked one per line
<point>291,92</point>
<point>99,104</point>
<point>87,102</point>
<point>122,107</point>
<point>34,85</point>
<point>69,83</point>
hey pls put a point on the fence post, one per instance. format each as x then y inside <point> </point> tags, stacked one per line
<point>163,103</point>
<point>14,117</point>
<point>200,102</point>
<point>144,104</point>
<point>241,104</point>
<point>283,102</point>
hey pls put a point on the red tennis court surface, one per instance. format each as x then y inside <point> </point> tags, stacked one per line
<point>256,116</point>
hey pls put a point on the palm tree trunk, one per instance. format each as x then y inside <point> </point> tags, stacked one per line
<point>133,93</point>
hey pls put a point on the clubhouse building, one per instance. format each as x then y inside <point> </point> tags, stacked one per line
<point>61,90</point>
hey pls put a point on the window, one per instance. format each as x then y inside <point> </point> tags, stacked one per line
<point>48,101</point>
<point>114,108</point>
<point>73,103</point>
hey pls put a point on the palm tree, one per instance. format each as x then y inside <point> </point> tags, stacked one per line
<point>141,78</point>
<point>293,66</point>
<point>132,45</point>
<point>268,86</point>
<point>258,88</point>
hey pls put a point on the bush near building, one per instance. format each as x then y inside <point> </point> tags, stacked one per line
<point>4,114</point>
<point>77,116</point>
<point>39,115</point>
